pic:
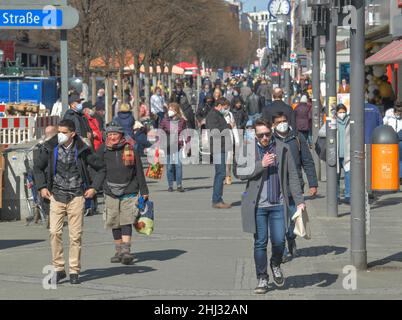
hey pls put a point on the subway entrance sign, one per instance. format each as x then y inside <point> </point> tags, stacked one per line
<point>28,14</point>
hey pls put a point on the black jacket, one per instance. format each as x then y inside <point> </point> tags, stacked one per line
<point>203,110</point>
<point>241,117</point>
<point>302,156</point>
<point>280,106</point>
<point>254,104</point>
<point>82,127</point>
<point>216,121</point>
<point>114,171</point>
<point>182,99</point>
<point>44,165</point>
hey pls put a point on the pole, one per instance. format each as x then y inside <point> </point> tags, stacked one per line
<point>332,145</point>
<point>64,70</point>
<point>316,100</point>
<point>357,49</point>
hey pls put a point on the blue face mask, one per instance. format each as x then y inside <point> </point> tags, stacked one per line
<point>79,108</point>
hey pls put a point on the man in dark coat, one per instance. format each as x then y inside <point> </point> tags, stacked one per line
<point>304,161</point>
<point>76,114</point>
<point>279,106</point>
<point>220,132</point>
<point>61,175</point>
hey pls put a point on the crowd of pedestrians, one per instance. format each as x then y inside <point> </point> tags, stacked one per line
<point>87,157</point>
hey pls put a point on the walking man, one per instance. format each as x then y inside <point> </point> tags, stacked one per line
<point>300,150</point>
<point>266,200</point>
<point>221,132</point>
<point>62,177</point>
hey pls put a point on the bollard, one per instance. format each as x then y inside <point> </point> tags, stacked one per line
<point>385,160</point>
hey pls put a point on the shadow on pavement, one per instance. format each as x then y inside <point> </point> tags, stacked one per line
<point>162,255</point>
<point>236,204</point>
<point>397,257</point>
<point>198,188</point>
<point>95,274</point>
<point>322,280</point>
<point>196,178</point>
<point>394,201</point>
<point>6,244</point>
<point>320,251</point>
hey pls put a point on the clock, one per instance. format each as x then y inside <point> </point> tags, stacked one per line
<point>278,7</point>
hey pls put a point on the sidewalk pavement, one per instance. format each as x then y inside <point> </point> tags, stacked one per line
<point>201,253</point>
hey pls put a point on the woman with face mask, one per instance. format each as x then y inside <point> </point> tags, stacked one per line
<point>343,121</point>
<point>173,125</point>
<point>89,114</point>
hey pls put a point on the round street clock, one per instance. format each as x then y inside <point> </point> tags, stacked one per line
<point>278,7</point>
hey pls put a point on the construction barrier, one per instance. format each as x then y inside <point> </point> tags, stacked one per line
<point>18,130</point>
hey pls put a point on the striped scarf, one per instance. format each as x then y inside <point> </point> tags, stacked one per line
<point>128,156</point>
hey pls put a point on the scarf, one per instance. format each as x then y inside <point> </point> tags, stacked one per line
<point>128,156</point>
<point>274,186</point>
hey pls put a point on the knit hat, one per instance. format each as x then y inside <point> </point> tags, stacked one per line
<point>114,127</point>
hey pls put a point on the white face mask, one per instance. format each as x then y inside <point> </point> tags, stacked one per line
<point>171,113</point>
<point>283,127</point>
<point>342,116</point>
<point>62,138</point>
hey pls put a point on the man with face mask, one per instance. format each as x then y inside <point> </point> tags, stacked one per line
<point>62,176</point>
<point>300,150</point>
<point>76,114</point>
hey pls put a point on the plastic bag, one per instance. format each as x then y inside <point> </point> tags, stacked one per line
<point>144,223</point>
<point>155,171</point>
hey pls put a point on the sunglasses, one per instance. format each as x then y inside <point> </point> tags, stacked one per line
<point>262,135</point>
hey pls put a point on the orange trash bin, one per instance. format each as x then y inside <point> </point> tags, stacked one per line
<point>385,160</point>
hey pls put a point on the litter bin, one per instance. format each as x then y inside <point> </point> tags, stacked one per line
<point>385,160</point>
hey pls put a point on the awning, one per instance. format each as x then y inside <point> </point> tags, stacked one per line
<point>392,53</point>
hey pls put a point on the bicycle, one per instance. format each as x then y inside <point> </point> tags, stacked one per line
<point>34,201</point>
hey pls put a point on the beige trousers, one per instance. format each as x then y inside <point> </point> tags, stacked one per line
<point>75,214</point>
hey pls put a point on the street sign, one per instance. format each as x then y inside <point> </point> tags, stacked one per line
<point>293,57</point>
<point>37,15</point>
<point>287,66</point>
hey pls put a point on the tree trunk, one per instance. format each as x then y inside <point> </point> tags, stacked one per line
<point>147,89</point>
<point>109,99</point>
<point>94,89</point>
<point>170,80</point>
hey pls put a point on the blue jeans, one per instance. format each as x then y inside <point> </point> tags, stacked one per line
<point>270,224</point>
<point>174,163</point>
<point>347,180</point>
<point>292,210</point>
<point>220,175</point>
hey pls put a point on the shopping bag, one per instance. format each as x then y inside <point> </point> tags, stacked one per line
<point>302,224</point>
<point>155,170</point>
<point>144,224</point>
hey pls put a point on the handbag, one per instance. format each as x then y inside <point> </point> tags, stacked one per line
<point>144,224</point>
<point>155,171</point>
<point>302,224</point>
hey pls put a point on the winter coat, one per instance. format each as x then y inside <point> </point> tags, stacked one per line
<point>44,165</point>
<point>141,141</point>
<point>241,117</point>
<point>254,104</point>
<point>216,121</point>
<point>303,159</point>
<point>173,137</point>
<point>127,121</point>
<point>265,91</point>
<point>255,175</point>
<point>82,127</point>
<point>97,133</point>
<point>373,119</point>
<point>114,171</point>
<point>304,116</point>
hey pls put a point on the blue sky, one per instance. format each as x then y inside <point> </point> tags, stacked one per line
<point>250,4</point>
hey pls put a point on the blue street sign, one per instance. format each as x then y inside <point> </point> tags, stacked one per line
<point>15,18</point>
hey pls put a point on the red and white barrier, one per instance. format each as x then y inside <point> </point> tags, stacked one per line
<point>17,130</point>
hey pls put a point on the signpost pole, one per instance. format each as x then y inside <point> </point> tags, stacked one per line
<point>64,70</point>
